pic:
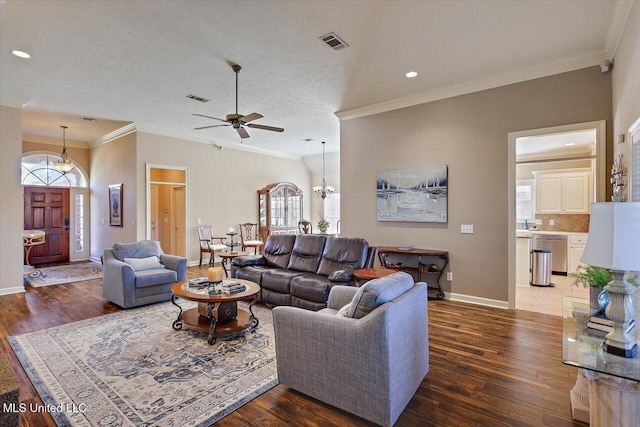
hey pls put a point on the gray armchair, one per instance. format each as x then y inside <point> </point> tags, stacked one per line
<point>140,273</point>
<point>369,366</point>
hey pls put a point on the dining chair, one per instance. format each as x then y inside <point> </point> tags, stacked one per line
<point>305,227</point>
<point>207,243</point>
<point>249,237</point>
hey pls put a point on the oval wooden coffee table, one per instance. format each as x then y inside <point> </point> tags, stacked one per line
<point>207,323</point>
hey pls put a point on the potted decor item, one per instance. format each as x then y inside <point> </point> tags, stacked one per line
<point>323,225</point>
<point>595,278</point>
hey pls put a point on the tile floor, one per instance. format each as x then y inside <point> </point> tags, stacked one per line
<point>548,299</point>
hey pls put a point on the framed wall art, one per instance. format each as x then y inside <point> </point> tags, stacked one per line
<point>413,194</point>
<point>115,205</point>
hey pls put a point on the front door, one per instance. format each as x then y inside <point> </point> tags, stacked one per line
<point>47,209</point>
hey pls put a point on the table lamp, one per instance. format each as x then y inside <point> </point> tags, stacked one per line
<point>614,243</point>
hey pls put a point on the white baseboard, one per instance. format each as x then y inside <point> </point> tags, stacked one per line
<point>477,300</point>
<point>94,259</point>
<point>13,290</point>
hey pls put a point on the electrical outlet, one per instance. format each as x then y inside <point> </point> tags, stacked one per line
<point>199,221</point>
<point>552,222</point>
<point>450,276</point>
<point>466,229</point>
<point>102,221</point>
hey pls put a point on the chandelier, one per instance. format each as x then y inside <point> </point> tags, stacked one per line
<point>64,165</point>
<point>323,191</point>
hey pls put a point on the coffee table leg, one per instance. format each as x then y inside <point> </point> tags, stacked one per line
<point>211,339</point>
<point>254,319</point>
<point>224,267</point>
<point>177,324</point>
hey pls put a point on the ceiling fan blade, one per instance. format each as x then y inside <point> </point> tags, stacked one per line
<point>207,127</point>
<point>250,117</point>
<point>265,127</point>
<point>208,117</point>
<point>242,132</point>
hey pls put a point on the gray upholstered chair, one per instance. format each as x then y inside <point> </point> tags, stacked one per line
<point>370,365</point>
<point>140,273</point>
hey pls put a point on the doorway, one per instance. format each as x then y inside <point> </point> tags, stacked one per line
<point>167,207</point>
<point>548,163</point>
<point>47,209</point>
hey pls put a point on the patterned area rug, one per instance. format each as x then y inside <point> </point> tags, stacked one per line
<point>131,368</point>
<point>74,272</point>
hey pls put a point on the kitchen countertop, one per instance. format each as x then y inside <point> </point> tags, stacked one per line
<point>530,233</point>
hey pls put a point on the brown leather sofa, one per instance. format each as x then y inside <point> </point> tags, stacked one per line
<point>299,270</point>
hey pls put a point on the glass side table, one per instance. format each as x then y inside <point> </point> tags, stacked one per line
<point>607,391</point>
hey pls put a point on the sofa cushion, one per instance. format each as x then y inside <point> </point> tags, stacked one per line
<point>155,277</point>
<point>251,273</point>
<point>379,291</point>
<point>148,263</point>
<point>277,250</point>
<point>278,280</point>
<point>343,253</point>
<point>310,287</point>
<point>306,253</point>
<point>141,249</point>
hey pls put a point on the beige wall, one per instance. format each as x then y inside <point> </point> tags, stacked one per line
<point>223,184</point>
<point>469,134</point>
<point>626,83</point>
<point>113,163</point>
<point>12,206</point>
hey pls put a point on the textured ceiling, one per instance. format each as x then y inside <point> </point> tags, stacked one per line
<point>136,61</point>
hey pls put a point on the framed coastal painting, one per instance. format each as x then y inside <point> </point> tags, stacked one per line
<point>115,205</point>
<point>413,194</point>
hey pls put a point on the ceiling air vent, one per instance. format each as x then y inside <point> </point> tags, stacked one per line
<point>334,41</point>
<point>198,98</point>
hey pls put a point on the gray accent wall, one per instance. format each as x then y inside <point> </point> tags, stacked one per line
<point>469,134</point>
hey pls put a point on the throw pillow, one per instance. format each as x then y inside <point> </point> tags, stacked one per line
<point>377,292</point>
<point>148,263</point>
<point>344,311</point>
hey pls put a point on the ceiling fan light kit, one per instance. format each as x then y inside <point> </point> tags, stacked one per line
<point>239,121</point>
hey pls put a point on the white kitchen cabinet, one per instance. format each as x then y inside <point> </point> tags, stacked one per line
<point>577,194</point>
<point>549,193</point>
<point>522,260</point>
<point>576,247</point>
<point>564,192</point>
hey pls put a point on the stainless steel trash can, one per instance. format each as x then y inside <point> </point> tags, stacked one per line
<point>540,268</point>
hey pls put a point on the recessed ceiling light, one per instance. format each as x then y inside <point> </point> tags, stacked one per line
<point>411,74</point>
<point>569,144</point>
<point>21,54</point>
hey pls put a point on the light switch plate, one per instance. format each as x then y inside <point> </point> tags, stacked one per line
<point>538,222</point>
<point>450,276</point>
<point>466,229</point>
<point>552,222</point>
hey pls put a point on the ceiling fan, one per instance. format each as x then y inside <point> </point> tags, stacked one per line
<point>238,121</point>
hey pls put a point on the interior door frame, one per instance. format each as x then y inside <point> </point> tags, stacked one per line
<point>148,183</point>
<point>600,184</point>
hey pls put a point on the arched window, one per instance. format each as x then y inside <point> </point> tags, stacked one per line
<point>39,169</point>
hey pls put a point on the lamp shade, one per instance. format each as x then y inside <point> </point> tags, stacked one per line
<point>614,236</point>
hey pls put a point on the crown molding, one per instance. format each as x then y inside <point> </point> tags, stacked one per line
<point>118,133</point>
<point>216,143</point>
<point>621,12</point>
<point>13,101</point>
<point>54,141</point>
<point>587,59</point>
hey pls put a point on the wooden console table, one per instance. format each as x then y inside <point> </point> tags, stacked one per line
<point>418,262</point>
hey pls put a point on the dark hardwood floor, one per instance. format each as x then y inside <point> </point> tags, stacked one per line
<point>488,367</point>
